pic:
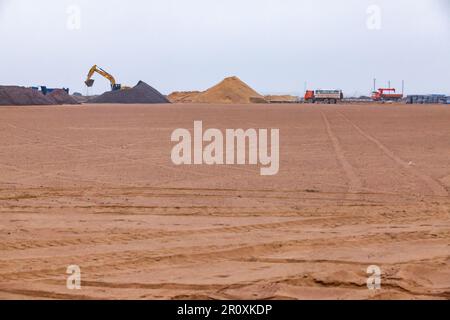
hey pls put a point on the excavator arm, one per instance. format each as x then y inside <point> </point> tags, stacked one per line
<point>96,69</point>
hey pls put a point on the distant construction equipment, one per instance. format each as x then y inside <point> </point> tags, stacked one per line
<point>44,90</point>
<point>96,69</point>
<point>386,94</point>
<point>324,96</point>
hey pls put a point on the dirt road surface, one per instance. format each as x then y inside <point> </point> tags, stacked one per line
<point>94,186</point>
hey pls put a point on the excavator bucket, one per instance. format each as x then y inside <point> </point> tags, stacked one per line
<point>90,82</point>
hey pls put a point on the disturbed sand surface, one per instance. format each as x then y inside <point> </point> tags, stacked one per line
<point>94,186</point>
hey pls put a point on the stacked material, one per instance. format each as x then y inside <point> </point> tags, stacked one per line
<point>230,90</point>
<point>80,98</point>
<point>20,96</point>
<point>427,99</point>
<point>281,99</point>
<point>60,96</point>
<point>141,93</point>
<point>183,96</point>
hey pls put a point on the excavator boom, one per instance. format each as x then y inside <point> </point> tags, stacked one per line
<point>96,69</point>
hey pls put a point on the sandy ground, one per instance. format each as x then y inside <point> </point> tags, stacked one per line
<point>94,186</point>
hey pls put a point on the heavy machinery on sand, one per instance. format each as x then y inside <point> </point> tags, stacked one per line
<point>324,96</point>
<point>386,94</point>
<point>96,69</point>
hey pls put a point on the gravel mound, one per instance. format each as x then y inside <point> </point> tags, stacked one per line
<point>141,93</point>
<point>21,96</point>
<point>62,97</point>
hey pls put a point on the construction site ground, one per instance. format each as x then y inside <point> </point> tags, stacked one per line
<point>94,186</point>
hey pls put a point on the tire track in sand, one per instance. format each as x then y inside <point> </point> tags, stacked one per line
<point>144,235</point>
<point>355,184</point>
<point>435,186</point>
<point>137,259</point>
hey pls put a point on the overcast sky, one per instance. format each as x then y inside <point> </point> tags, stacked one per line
<point>273,45</point>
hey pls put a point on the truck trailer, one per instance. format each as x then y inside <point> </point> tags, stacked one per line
<point>324,96</point>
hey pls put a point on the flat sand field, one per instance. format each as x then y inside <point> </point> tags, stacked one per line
<point>94,186</point>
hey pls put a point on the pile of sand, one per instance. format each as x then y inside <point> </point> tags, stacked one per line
<point>60,96</point>
<point>230,90</point>
<point>82,99</point>
<point>141,93</point>
<point>183,96</point>
<point>20,96</point>
<point>281,99</point>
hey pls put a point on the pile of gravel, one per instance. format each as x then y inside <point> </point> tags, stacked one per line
<point>141,93</point>
<point>60,96</point>
<point>20,96</point>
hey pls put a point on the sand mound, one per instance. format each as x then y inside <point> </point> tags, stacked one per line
<point>82,99</point>
<point>230,90</point>
<point>20,96</point>
<point>183,96</point>
<point>141,93</point>
<point>446,180</point>
<point>62,97</point>
<point>281,99</point>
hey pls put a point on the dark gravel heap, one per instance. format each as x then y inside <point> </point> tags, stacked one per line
<point>21,96</point>
<point>62,97</point>
<point>141,93</point>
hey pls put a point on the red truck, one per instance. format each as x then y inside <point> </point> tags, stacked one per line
<point>388,94</point>
<point>324,96</point>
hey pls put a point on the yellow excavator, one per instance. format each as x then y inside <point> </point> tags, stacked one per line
<point>96,69</point>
